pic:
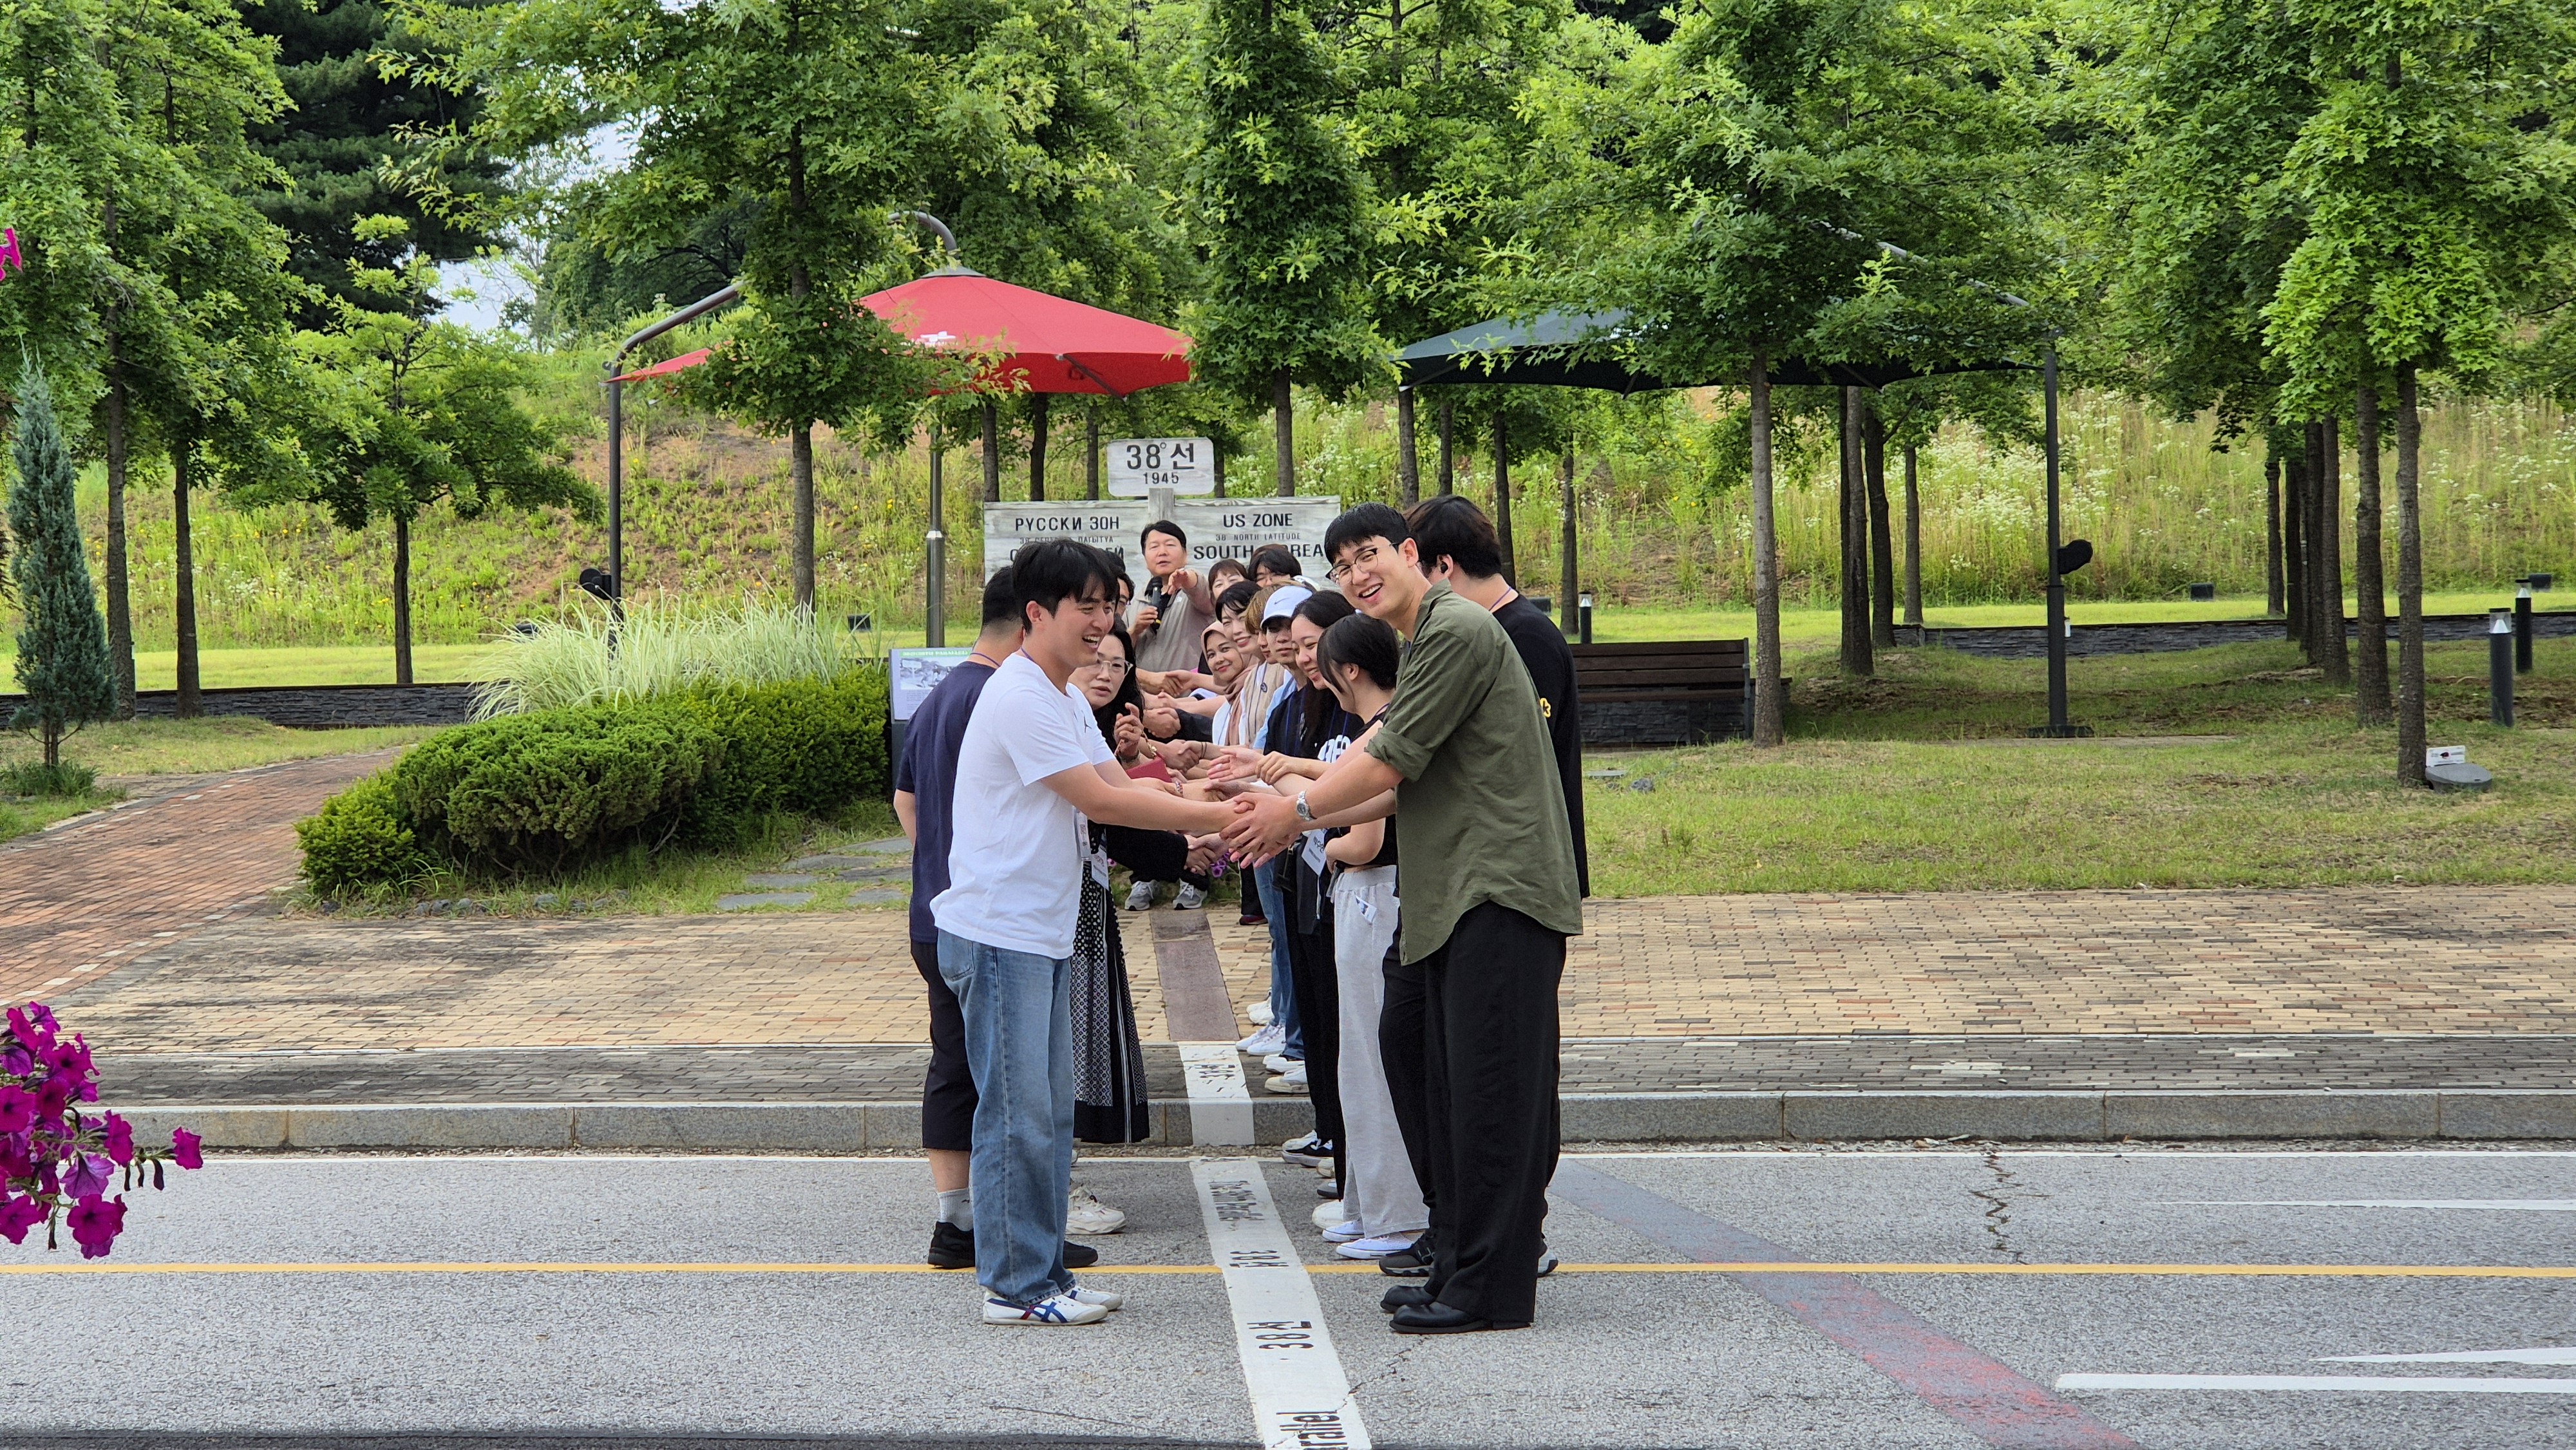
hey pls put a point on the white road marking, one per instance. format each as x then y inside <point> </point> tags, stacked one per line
<point>2543,1354</point>
<point>2347,1383</point>
<point>1301,1396</point>
<point>2506,1205</point>
<point>1220,1104</point>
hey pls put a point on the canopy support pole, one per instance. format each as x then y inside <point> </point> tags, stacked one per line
<point>617,432</point>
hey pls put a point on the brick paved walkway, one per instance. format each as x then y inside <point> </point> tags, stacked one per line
<point>2008,963</point>
<point>78,899</point>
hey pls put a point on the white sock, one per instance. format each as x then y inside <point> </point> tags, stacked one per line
<point>957,1208</point>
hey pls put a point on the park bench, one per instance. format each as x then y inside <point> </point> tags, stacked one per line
<point>1673,692</point>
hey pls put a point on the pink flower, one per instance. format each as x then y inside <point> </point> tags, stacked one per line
<point>183,1149</point>
<point>120,1141</point>
<point>17,1215</point>
<point>95,1223</point>
<point>17,1109</point>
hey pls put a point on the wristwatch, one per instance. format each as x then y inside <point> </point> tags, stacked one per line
<point>1304,813</point>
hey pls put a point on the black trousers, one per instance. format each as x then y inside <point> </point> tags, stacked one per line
<point>948,1090</point>
<point>1319,1008</point>
<point>1400,1043</point>
<point>1490,1060</point>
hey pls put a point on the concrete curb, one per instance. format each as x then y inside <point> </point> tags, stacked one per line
<point>2467,1114</point>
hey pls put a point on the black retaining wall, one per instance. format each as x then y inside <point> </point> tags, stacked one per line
<point>313,707</point>
<point>2027,642</point>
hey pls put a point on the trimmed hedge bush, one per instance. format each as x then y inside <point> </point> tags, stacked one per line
<point>545,792</point>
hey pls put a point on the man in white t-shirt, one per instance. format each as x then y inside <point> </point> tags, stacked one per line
<point>1032,773</point>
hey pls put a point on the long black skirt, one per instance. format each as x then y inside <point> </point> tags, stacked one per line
<point>1111,1103</point>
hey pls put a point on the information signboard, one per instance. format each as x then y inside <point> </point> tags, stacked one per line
<point>914,673</point>
<point>1107,524</point>
<point>1137,466</point>
<point>1224,528</point>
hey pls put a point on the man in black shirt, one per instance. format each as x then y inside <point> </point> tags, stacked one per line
<point>1457,544</point>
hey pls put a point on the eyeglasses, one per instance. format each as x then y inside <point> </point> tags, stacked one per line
<point>1115,667</point>
<point>1364,554</point>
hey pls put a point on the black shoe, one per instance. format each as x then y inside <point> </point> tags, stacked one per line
<point>1438,1318</point>
<point>952,1247</point>
<point>1402,1296</point>
<point>1412,1263</point>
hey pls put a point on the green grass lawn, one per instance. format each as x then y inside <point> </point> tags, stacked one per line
<point>1814,626</point>
<point>190,747</point>
<point>1919,780</point>
<point>298,665</point>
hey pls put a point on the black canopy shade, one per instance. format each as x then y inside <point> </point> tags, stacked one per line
<point>1571,350</point>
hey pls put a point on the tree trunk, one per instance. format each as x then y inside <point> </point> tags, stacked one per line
<point>2410,587</point>
<point>1091,458</point>
<point>1766,570</point>
<point>1220,474</point>
<point>1037,447</point>
<point>1408,463</point>
<point>1569,577</point>
<point>2371,704</point>
<point>1882,549</point>
<point>1913,544</point>
<point>1448,445</point>
<point>2311,546</point>
<point>2337,655</point>
<point>1503,498</point>
<point>1856,658</point>
<point>120,604</point>
<point>992,454</point>
<point>2272,599</point>
<point>2294,601</point>
<point>402,599</point>
<point>800,472</point>
<point>184,599</point>
<point>1283,427</point>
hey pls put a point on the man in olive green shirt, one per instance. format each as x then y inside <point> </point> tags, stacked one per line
<point>1489,895</point>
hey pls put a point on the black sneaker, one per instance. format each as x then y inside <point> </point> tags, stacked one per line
<point>1399,1295</point>
<point>1410,1263</point>
<point>952,1247</point>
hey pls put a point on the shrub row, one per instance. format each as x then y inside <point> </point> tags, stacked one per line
<point>545,792</point>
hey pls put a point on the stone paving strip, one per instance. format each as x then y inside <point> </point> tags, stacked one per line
<point>89,894</point>
<point>2498,960</point>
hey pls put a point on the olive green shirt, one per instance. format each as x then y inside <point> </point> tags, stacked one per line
<point>1481,814</point>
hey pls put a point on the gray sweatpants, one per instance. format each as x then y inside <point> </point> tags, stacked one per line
<point>1378,1182</point>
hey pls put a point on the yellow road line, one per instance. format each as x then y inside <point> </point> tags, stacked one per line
<point>2248,1271</point>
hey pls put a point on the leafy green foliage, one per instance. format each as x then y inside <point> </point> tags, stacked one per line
<point>62,650</point>
<point>361,838</point>
<point>549,790</point>
<point>813,746</point>
<point>36,778</point>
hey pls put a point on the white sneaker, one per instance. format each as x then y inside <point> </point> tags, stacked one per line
<point>1331,1214</point>
<point>1188,898</point>
<point>1102,1297</point>
<point>1140,897</point>
<point>1376,1248</point>
<point>1054,1311</point>
<point>1258,1014</point>
<point>1345,1232</point>
<point>1281,1062</point>
<point>1087,1215</point>
<point>1289,1084</point>
<point>1264,1042</point>
<point>1308,1152</point>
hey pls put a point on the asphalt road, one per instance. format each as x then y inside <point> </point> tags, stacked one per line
<point>481,1350</point>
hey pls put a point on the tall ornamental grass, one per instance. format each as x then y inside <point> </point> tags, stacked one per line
<point>661,648</point>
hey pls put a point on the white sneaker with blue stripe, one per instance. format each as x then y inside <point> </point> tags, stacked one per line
<point>1054,1311</point>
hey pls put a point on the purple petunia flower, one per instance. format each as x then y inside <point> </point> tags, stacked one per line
<point>95,1222</point>
<point>17,1109</point>
<point>183,1149</point>
<point>17,1215</point>
<point>89,1177</point>
<point>120,1141</point>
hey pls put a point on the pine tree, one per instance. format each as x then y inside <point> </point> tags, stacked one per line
<point>62,651</point>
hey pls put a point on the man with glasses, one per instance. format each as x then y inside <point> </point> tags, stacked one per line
<point>1490,896</point>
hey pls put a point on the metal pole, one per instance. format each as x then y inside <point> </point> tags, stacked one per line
<point>617,435</point>
<point>2500,666</point>
<point>935,632</point>
<point>2522,627</point>
<point>2057,721</point>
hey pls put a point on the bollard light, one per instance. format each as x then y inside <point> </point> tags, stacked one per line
<point>859,622</point>
<point>2522,620</point>
<point>2500,666</point>
<point>1583,604</point>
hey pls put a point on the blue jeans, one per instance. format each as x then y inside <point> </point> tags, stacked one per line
<point>1283,991</point>
<point>1019,1046</point>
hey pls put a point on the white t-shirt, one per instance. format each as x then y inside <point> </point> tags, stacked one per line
<point>1017,851</point>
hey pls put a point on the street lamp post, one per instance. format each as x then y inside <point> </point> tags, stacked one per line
<point>617,432</point>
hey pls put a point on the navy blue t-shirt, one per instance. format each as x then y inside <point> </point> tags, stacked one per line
<point>928,769</point>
